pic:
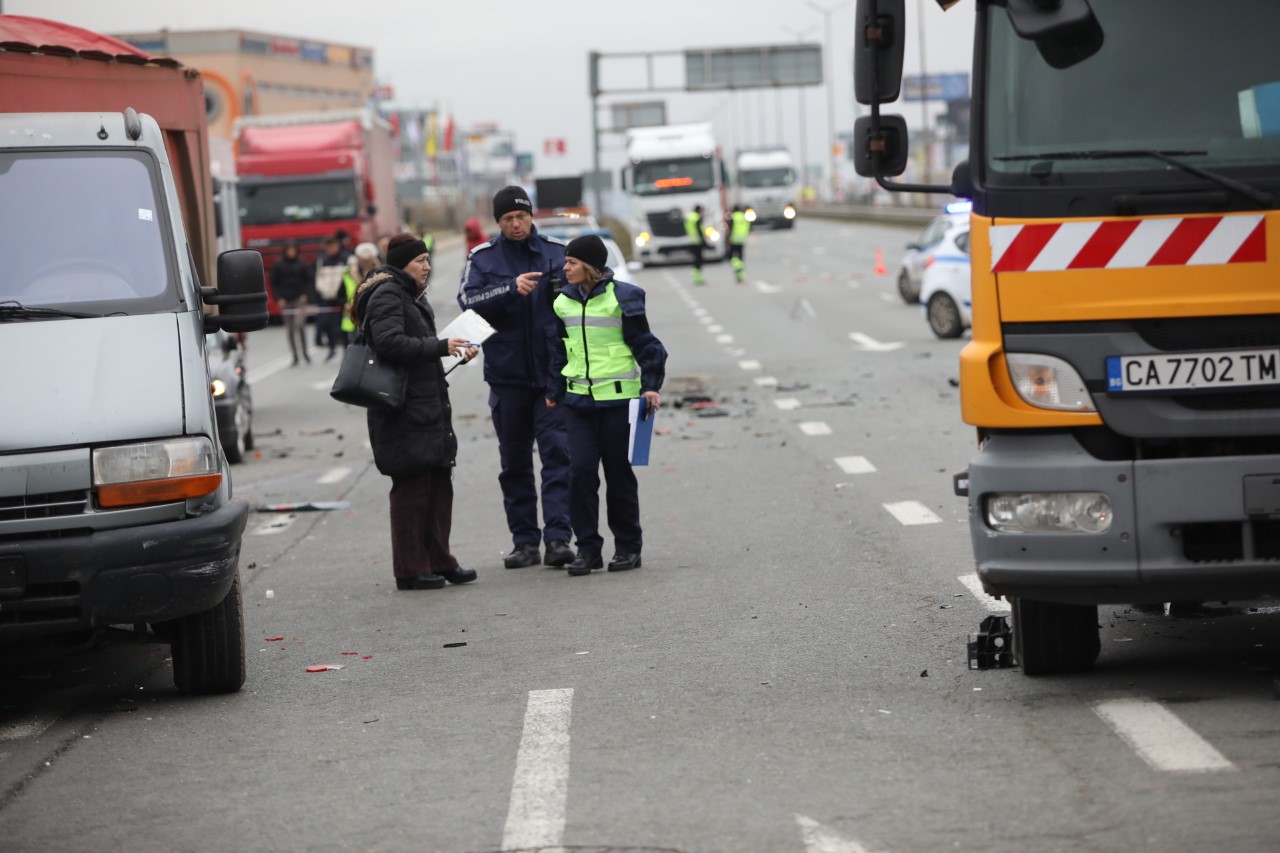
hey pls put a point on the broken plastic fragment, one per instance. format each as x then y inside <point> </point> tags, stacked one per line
<point>325,667</point>
<point>306,506</point>
<point>453,645</point>
<point>272,639</point>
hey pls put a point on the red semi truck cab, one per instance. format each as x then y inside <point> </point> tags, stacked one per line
<point>304,177</point>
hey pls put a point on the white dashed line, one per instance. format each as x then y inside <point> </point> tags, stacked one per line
<point>787,403</point>
<point>766,381</point>
<point>912,512</point>
<point>749,364</point>
<point>540,788</point>
<point>715,328</point>
<point>1159,737</point>
<point>333,475</point>
<point>887,297</point>
<point>766,287</point>
<point>700,312</point>
<point>815,428</point>
<point>257,374</point>
<point>735,352</point>
<point>322,386</point>
<point>995,605</point>
<point>724,339</point>
<point>855,464</point>
<point>706,321</point>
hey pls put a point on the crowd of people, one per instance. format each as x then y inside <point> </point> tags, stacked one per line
<point>571,352</point>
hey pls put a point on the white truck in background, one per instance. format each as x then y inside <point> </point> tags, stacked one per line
<point>765,185</point>
<point>670,170</point>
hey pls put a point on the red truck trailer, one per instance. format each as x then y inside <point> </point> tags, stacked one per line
<point>306,176</point>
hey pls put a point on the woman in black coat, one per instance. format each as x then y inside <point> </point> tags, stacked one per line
<point>414,445</point>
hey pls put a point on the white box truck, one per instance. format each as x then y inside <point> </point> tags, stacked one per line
<point>765,184</point>
<point>670,170</point>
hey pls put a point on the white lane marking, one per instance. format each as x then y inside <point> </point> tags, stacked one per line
<point>995,605</point>
<point>815,428</point>
<point>852,285</point>
<point>887,297</point>
<point>271,526</point>
<point>334,475</point>
<point>706,321</point>
<point>822,839</point>
<point>540,788</point>
<point>736,352</point>
<point>766,287</point>
<point>1159,737</point>
<point>855,464</point>
<point>912,512</point>
<point>787,403</point>
<point>323,386</point>
<point>257,374</point>
<point>749,364</point>
<point>693,303</point>
<point>766,381</point>
<point>700,312</point>
<point>715,328</point>
<point>870,344</point>
<point>724,339</point>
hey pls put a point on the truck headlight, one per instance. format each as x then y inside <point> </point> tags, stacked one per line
<point>712,234</point>
<point>789,212</point>
<point>1049,512</point>
<point>149,472</point>
<point>218,387</point>
<point>642,239</point>
<point>1047,382</point>
<point>751,214</point>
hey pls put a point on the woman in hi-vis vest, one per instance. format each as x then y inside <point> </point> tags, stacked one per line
<point>606,357</point>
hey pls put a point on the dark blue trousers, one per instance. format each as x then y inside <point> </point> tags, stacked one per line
<point>599,436</point>
<point>521,417</point>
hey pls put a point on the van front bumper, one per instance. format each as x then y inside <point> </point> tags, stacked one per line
<point>150,573</point>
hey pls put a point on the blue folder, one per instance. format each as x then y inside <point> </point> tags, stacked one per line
<point>641,432</point>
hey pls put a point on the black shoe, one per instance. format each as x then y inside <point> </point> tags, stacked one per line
<point>522,557</point>
<point>584,563</point>
<point>459,575</point>
<point>622,561</point>
<point>559,554</point>
<point>420,582</point>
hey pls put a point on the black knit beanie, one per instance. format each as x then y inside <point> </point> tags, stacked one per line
<point>511,198</point>
<point>400,256</point>
<point>589,249</point>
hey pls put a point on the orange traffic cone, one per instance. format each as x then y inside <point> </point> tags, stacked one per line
<point>880,270</point>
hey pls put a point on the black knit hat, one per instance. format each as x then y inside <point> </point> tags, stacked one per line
<point>400,256</point>
<point>511,198</point>
<point>589,249</point>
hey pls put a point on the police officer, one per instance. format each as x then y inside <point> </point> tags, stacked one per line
<point>607,357</point>
<point>511,282</point>
<point>697,241</point>
<point>739,228</point>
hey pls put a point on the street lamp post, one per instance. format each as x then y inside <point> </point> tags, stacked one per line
<point>831,92</point>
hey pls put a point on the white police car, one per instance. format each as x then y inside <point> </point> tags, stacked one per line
<point>946,290</point>
<point>916,257</point>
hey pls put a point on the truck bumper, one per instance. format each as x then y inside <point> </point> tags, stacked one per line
<point>1182,529</point>
<point>139,574</point>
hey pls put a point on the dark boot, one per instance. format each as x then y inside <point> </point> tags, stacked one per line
<point>622,561</point>
<point>459,575</point>
<point>559,554</point>
<point>523,556</point>
<point>584,563</point>
<point>427,581</point>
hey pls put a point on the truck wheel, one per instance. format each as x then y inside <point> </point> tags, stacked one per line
<point>944,316</point>
<point>208,647</point>
<point>907,290</point>
<point>1049,637</point>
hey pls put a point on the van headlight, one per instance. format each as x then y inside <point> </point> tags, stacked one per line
<point>1048,382</point>
<point>148,472</point>
<point>751,214</point>
<point>712,234</point>
<point>642,239</point>
<point>1049,512</point>
<point>789,212</point>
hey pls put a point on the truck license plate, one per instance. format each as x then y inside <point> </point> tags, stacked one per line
<point>1192,371</point>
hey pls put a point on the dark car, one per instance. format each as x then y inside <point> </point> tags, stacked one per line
<point>232,399</point>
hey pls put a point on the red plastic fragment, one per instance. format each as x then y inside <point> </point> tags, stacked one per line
<point>272,639</point>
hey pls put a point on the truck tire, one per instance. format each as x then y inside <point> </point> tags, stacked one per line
<point>1049,637</point>
<point>208,647</point>
<point>944,316</point>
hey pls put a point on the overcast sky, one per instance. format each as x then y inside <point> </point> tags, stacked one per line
<point>524,65</point>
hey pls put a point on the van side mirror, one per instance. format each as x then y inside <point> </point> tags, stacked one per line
<point>889,146</point>
<point>241,294</point>
<point>878,44</point>
<point>962,180</point>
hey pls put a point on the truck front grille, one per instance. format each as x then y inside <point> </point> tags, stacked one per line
<point>1192,333</point>
<point>667,224</point>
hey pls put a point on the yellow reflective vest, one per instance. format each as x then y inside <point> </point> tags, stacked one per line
<point>692,220</point>
<point>599,362</point>
<point>739,227</point>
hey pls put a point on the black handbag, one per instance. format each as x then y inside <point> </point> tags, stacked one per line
<point>364,379</point>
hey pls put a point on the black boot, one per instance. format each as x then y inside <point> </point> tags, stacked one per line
<point>523,556</point>
<point>427,581</point>
<point>622,561</point>
<point>459,575</point>
<point>584,563</point>
<point>559,554</point>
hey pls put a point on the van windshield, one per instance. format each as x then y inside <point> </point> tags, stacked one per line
<point>81,229</point>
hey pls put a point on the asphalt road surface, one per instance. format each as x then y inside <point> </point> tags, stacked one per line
<point>787,672</point>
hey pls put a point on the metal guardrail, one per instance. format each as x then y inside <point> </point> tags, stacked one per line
<point>913,217</point>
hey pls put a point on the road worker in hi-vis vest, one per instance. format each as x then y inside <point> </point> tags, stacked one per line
<point>697,240</point>
<point>607,357</point>
<point>739,228</point>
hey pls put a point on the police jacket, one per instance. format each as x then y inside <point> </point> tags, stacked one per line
<point>524,326</point>
<point>401,327</point>
<point>627,303</point>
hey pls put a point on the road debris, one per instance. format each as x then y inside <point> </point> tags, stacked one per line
<point>453,645</point>
<point>992,646</point>
<point>305,506</point>
<point>326,667</point>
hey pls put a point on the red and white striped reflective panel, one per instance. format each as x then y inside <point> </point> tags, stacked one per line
<point>1129,243</point>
